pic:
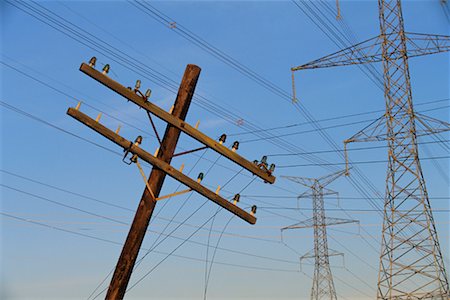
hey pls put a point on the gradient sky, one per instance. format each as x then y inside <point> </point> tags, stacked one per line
<point>67,203</point>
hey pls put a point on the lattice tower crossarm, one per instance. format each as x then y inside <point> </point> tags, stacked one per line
<point>371,51</point>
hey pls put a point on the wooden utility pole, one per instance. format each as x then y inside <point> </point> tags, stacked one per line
<point>130,251</point>
<point>161,162</point>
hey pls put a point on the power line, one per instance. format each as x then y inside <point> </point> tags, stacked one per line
<point>328,197</point>
<point>323,128</point>
<point>287,126</point>
<point>187,239</point>
<point>350,149</point>
<point>58,203</point>
<point>65,190</point>
<point>116,206</point>
<point>339,209</point>
<point>87,39</point>
<point>119,244</point>
<point>225,114</point>
<point>356,162</point>
<point>331,118</point>
<point>64,27</point>
<point>33,117</point>
<point>19,111</point>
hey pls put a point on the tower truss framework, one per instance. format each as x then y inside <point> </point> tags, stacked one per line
<point>411,261</point>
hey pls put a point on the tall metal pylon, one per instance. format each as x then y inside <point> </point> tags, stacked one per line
<point>411,262</point>
<point>323,285</point>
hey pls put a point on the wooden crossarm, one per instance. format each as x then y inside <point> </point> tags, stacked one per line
<point>168,169</point>
<point>180,124</point>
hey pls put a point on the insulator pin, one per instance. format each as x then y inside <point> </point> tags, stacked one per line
<point>92,61</point>
<point>253,210</point>
<point>105,69</point>
<point>272,168</point>
<point>264,160</point>
<point>200,177</point>
<point>236,198</point>
<point>148,93</point>
<point>235,146</point>
<point>137,85</point>
<point>222,138</point>
<point>138,140</point>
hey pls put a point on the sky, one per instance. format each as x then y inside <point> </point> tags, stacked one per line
<point>67,199</point>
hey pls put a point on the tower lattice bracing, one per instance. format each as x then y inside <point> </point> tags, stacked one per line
<point>323,285</point>
<point>411,262</point>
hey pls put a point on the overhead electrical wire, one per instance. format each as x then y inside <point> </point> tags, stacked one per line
<point>223,112</point>
<point>357,171</point>
<point>288,96</point>
<point>287,126</point>
<point>330,127</point>
<point>328,197</point>
<point>75,32</point>
<point>337,209</point>
<point>335,37</point>
<point>355,162</point>
<point>352,149</point>
<point>278,143</point>
<point>213,216</point>
<point>19,111</point>
<point>59,203</point>
<point>65,190</point>
<point>157,243</point>
<point>15,109</point>
<point>334,118</point>
<point>376,75</point>
<point>120,244</point>
<point>179,29</point>
<point>337,240</point>
<point>154,13</point>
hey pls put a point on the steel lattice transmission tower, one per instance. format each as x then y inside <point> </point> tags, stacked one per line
<point>411,262</point>
<point>323,285</point>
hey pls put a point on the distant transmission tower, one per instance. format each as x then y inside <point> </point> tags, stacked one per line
<point>411,262</point>
<point>323,285</point>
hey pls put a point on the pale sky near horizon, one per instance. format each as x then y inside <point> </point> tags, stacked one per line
<point>67,204</point>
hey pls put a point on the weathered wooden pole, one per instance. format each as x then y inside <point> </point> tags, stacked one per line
<point>130,251</point>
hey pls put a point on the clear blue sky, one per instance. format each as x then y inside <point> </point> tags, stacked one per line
<point>70,203</point>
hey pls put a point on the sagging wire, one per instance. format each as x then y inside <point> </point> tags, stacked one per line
<point>190,236</point>
<point>153,246</point>
<point>208,273</point>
